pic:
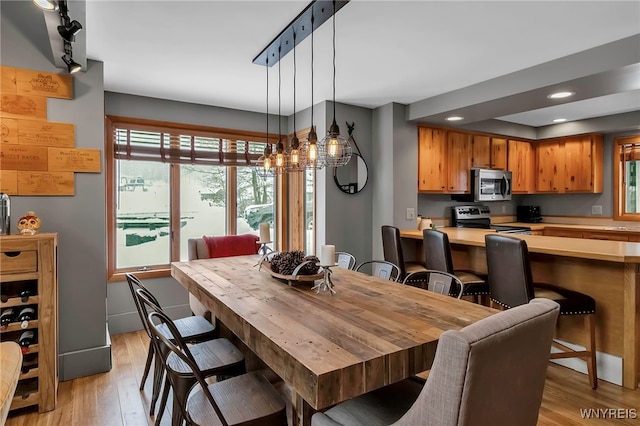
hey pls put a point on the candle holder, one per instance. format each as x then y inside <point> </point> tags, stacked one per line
<point>264,251</point>
<point>327,283</point>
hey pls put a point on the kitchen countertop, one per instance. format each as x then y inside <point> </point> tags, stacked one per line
<point>612,251</point>
<point>542,225</point>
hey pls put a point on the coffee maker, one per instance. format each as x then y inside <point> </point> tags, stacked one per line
<point>528,214</point>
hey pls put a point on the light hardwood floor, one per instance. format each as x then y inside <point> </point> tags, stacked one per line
<point>113,398</point>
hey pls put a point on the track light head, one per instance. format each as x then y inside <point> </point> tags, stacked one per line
<point>72,66</point>
<point>48,5</point>
<point>69,30</point>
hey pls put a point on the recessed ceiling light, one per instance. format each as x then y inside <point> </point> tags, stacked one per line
<point>559,120</point>
<point>560,95</point>
<point>454,118</point>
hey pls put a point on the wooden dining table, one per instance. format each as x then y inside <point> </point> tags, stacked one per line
<point>327,348</point>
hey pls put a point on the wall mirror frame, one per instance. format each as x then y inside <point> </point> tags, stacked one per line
<point>353,176</point>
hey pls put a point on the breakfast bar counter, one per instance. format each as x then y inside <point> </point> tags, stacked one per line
<point>608,271</point>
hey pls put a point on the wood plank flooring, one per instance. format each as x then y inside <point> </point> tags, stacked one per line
<point>113,398</point>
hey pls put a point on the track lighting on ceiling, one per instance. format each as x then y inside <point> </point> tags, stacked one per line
<point>48,5</point>
<point>69,30</point>
<point>72,66</point>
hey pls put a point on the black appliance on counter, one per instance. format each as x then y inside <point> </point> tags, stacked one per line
<point>480,217</point>
<point>528,214</point>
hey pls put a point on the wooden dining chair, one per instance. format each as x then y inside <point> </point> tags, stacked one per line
<point>380,268</point>
<point>194,329</point>
<point>462,388</point>
<point>215,358</point>
<point>511,284</point>
<point>247,399</point>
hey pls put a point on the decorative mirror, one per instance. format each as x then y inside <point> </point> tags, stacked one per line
<point>353,176</point>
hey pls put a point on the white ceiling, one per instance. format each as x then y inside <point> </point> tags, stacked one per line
<point>387,51</point>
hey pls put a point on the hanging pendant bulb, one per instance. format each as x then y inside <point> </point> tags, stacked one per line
<point>264,165</point>
<point>313,160</point>
<point>297,154</point>
<point>334,149</point>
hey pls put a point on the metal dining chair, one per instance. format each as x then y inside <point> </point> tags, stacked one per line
<point>193,329</point>
<point>247,399</point>
<point>436,281</point>
<point>345,260</point>
<point>215,358</point>
<point>381,269</point>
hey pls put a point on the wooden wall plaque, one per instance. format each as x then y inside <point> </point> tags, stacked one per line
<point>74,160</point>
<point>9,130</point>
<point>46,133</point>
<point>8,80</point>
<point>21,106</point>
<point>46,84</point>
<point>23,157</point>
<point>46,183</point>
<point>9,182</point>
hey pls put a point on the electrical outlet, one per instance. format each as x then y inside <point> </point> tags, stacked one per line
<point>411,213</point>
<point>504,209</point>
<point>596,209</point>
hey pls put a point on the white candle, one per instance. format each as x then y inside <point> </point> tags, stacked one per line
<point>327,255</point>
<point>265,232</point>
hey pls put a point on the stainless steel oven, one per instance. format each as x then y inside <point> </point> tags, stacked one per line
<point>491,185</point>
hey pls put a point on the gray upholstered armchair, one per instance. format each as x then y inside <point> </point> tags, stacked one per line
<point>491,372</point>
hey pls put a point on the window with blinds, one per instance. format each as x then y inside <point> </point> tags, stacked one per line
<point>170,183</point>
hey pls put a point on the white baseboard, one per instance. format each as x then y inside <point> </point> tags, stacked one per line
<point>609,366</point>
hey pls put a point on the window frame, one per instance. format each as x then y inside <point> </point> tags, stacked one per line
<point>111,123</point>
<point>619,185</point>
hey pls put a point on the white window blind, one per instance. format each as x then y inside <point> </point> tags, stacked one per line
<point>153,143</point>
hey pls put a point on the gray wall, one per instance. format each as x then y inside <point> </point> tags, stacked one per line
<point>79,220</point>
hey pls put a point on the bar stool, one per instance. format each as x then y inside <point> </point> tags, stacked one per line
<point>392,247</point>
<point>511,284</point>
<point>437,254</point>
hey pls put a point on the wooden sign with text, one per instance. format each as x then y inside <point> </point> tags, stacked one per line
<point>38,157</point>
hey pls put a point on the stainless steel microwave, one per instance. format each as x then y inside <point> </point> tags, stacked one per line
<point>487,185</point>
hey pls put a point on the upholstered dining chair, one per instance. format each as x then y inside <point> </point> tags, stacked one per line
<point>215,358</point>
<point>511,284</point>
<point>247,399</point>
<point>437,257</point>
<point>194,329</point>
<point>462,388</point>
<point>393,252</point>
<point>380,268</point>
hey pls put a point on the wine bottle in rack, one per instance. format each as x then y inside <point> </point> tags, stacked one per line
<point>25,294</point>
<point>26,339</point>
<point>26,314</point>
<point>7,317</point>
<point>29,362</point>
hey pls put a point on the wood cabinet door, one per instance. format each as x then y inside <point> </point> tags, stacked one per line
<point>481,151</point>
<point>549,167</point>
<point>520,162</point>
<point>499,153</point>
<point>566,233</point>
<point>578,172</point>
<point>459,162</point>
<point>432,160</point>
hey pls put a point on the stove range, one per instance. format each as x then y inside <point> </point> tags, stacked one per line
<point>480,217</point>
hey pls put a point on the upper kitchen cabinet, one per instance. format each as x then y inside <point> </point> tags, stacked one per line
<point>571,164</point>
<point>488,152</point>
<point>521,163</point>
<point>432,160</point>
<point>458,161</point>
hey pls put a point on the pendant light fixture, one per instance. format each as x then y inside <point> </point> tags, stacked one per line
<point>311,146</point>
<point>280,157</point>
<point>297,154</point>
<point>334,149</point>
<point>264,167</point>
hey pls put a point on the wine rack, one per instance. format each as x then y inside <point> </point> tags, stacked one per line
<point>29,278</point>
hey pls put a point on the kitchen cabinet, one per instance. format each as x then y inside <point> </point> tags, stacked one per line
<point>432,160</point>
<point>28,273</point>
<point>488,152</point>
<point>458,162</point>
<point>611,236</point>
<point>571,164</point>
<point>520,161</point>
<point>562,232</point>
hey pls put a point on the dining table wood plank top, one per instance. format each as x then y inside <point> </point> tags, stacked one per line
<point>328,348</point>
